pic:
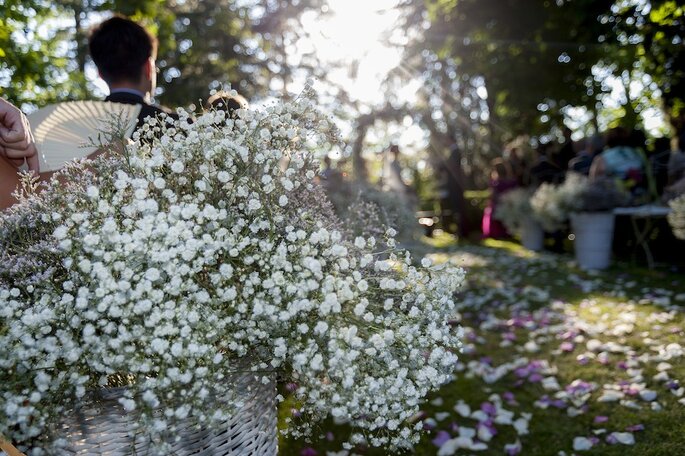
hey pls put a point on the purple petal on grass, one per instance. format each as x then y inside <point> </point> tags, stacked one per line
<point>329,436</point>
<point>309,451</point>
<point>509,397</point>
<point>513,449</point>
<point>559,403</point>
<point>454,427</point>
<point>441,438</point>
<point>601,419</point>
<point>521,372</point>
<point>636,428</point>
<point>611,439</point>
<point>291,387</point>
<point>535,378</point>
<point>488,408</point>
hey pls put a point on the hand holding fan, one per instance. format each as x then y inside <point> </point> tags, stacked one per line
<point>66,131</point>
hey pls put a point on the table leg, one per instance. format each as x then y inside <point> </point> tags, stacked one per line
<point>642,238</point>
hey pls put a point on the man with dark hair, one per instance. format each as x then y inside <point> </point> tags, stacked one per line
<point>124,53</point>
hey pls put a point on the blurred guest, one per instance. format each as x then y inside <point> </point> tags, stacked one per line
<point>124,53</point>
<point>501,181</point>
<point>620,160</point>
<point>514,157</point>
<point>676,162</point>
<point>392,175</point>
<point>330,177</point>
<point>545,169</point>
<point>658,161</point>
<point>566,152</point>
<point>582,163</point>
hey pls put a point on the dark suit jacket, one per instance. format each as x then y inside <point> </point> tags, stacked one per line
<point>147,109</point>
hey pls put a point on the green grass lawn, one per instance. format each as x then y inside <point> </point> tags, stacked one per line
<point>534,324</point>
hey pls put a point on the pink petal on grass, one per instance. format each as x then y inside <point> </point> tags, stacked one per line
<point>567,346</point>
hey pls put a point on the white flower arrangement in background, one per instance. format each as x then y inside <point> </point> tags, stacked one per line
<point>513,208</point>
<point>204,248</point>
<point>553,204</point>
<point>549,207</point>
<point>676,218</point>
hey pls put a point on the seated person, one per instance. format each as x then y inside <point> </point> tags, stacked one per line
<point>676,162</point>
<point>545,170</point>
<point>124,53</point>
<point>658,161</point>
<point>620,160</point>
<point>582,163</point>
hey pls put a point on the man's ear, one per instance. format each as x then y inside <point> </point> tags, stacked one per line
<point>148,69</point>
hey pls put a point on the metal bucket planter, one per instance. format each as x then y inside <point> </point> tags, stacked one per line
<point>102,427</point>
<point>532,235</point>
<point>594,233</point>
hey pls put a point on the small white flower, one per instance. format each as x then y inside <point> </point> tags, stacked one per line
<point>177,167</point>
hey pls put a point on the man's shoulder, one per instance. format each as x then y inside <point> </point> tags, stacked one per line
<point>150,110</point>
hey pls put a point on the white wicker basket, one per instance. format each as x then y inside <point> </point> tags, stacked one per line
<point>102,427</point>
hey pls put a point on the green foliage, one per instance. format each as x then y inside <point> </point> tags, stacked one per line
<point>658,27</point>
<point>33,66</point>
<point>533,57</point>
<point>203,45</point>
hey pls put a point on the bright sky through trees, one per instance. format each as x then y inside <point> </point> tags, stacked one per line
<point>352,35</point>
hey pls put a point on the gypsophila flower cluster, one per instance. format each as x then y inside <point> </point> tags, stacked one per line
<point>513,208</point>
<point>548,206</point>
<point>553,204</point>
<point>205,249</point>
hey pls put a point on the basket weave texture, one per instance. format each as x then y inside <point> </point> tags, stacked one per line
<point>102,427</point>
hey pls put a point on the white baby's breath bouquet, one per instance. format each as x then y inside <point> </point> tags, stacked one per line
<point>201,249</point>
<point>513,208</point>
<point>549,206</point>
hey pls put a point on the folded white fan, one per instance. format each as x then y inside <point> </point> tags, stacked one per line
<point>64,131</point>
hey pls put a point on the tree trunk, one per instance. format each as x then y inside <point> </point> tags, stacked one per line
<point>358,162</point>
<point>81,50</point>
